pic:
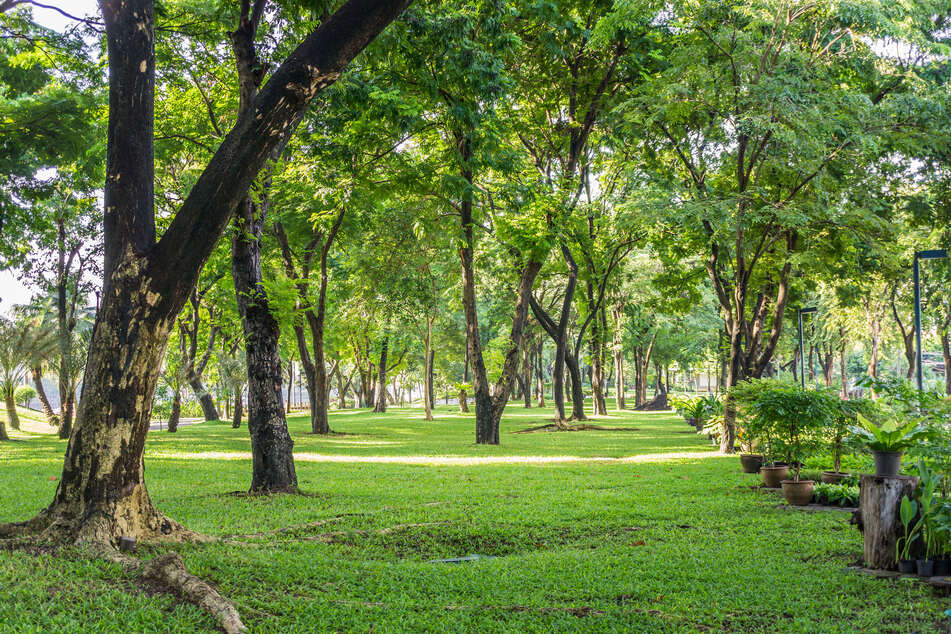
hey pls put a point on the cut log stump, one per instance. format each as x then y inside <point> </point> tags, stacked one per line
<point>879,503</point>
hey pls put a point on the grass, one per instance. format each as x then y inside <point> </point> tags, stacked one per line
<point>597,545</point>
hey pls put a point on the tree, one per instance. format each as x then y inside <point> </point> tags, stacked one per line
<point>24,343</point>
<point>102,493</point>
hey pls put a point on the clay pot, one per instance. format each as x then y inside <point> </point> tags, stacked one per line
<point>798,492</point>
<point>751,462</point>
<point>773,476</point>
<point>833,477</point>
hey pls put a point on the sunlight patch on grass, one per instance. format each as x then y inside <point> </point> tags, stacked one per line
<point>449,461</point>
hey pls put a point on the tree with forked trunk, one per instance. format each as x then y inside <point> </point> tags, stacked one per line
<point>101,494</point>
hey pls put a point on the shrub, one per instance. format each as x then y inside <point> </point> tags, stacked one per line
<point>24,394</point>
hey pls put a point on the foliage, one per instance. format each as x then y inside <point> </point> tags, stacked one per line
<point>836,494</point>
<point>892,435</point>
<point>24,394</point>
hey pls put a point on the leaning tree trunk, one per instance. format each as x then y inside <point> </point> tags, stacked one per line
<point>879,503</point>
<point>11,405</point>
<point>540,373</point>
<point>208,409</point>
<point>51,416</point>
<point>176,414</point>
<point>577,389</point>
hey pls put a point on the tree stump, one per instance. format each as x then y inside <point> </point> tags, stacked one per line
<point>879,503</point>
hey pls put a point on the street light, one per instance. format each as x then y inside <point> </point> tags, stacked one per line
<point>802,355</point>
<point>933,254</point>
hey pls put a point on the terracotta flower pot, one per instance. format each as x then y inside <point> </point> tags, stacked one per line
<point>751,462</point>
<point>833,477</point>
<point>798,492</point>
<point>773,476</point>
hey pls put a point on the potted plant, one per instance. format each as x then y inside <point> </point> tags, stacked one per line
<point>887,441</point>
<point>907,512</point>
<point>804,415</point>
<point>928,508</point>
<point>844,416</point>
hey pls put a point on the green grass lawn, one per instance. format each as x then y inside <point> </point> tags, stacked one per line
<point>581,543</point>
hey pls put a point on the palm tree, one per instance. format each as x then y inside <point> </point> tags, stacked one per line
<point>233,374</point>
<point>24,343</point>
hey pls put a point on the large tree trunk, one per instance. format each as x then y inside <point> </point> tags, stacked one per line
<point>51,416</point>
<point>379,405</point>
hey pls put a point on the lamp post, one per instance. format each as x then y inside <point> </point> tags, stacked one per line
<point>933,254</point>
<point>802,355</point>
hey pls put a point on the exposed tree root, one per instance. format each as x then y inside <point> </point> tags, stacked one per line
<point>569,427</point>
<point>47,532</point>
<point>169,572</point>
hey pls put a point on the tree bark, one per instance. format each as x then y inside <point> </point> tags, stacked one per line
<point>238,409</point>
<point>879,502</point>
<point>946,355</point>
<point>11,406</point>
<point>176,413</point>
<point>540,372</point>
<point>51,416</point>
<point>428,369</point>
<point>379,405</point>
<point>526,382</point>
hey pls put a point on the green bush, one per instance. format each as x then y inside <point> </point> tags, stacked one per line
<point>24,394</point>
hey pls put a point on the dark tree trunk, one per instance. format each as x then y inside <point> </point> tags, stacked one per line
<point>540,372</point>
<point>488,407</point>
<point>428,370</point>
<point>526,382</point>
<point>379,406</point>
<point>51,416</point>
<point>432,391</point>
<point>176,414</point>
<point>946,355</point>
<point>843,372</point>
<point>577,388</point>
<point>238,409</point>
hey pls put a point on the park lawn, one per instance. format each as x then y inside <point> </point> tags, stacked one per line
<point>583,543</point>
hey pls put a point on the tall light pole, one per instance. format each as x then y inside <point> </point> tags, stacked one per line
<point>933,254</point>
<point>802,355</point>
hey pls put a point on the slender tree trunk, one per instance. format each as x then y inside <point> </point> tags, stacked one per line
<point>540,372</point>
<point>463,393</point>
<point>946,354</point>
<point>176,414</point>
<point>526,382</point>
<point>51,416</point>
<point>428,369</point>
<point>844,375</point>
<point>11,405</point>
<point>379,405</point>
<point>875,327</point>
<point>238,409</point>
